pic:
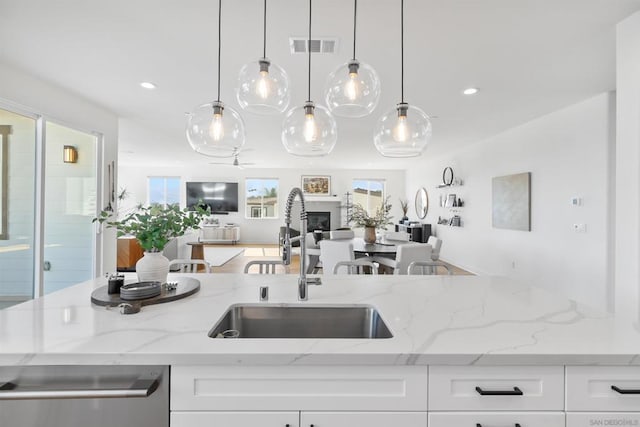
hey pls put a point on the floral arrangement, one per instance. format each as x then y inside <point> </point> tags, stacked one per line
<point>154,226</point>
<point>360,217</point>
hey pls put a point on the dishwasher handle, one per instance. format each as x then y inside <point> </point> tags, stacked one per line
<point>140,387</point>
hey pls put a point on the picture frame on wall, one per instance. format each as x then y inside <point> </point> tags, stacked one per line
<point>316,185</point>
<point>450,201</point>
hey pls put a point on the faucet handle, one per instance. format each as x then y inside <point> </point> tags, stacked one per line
<point>314,281</point>
<point>264,293</point>
<point>286,253</point>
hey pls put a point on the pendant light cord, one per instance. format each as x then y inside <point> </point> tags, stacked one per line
<point>219,42</point>
<point>264,31</point>
<point>309,49</point>
<point>402,50</point>
<point>355,13</point>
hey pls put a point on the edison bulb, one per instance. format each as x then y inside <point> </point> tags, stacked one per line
<point>352,87</point>
<point>263,86</point>
<point>310,130</point>
<point>401,129</point>
<point>216,129</point>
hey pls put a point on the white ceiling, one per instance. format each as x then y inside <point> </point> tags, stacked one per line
<point>528,57</point>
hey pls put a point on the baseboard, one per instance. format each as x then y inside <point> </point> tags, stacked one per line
<point>465,267</point>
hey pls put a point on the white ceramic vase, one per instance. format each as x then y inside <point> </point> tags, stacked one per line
<point>153,266</point>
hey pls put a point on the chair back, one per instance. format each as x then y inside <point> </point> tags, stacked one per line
<point>334,251</point>
<point>341,234</point>
<point>266,267</point>
<point>410,252</point>
<point>354,267</point>
<point>400,236</point>
<point>436,244</point>
<point>190,265</point>
<point>427,267</point>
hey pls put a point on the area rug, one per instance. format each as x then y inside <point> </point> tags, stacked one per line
<point>217,256</point>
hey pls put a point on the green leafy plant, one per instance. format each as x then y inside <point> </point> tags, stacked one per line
<point>361,218</point>
<point>154,226</point>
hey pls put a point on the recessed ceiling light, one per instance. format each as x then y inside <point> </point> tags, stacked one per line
<point>148,85</point>
<point>470,91</point>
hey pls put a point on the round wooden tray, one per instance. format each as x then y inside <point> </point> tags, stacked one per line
<point>186,286</point>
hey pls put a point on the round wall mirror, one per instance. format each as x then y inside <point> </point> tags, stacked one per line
<point>422,203</point>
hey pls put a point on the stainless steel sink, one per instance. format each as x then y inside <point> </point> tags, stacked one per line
<point>301,321</point>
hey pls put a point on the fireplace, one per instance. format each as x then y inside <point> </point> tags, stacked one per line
<point>318,221</point>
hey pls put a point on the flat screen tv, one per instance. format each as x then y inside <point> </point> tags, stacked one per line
<point>221,197</point>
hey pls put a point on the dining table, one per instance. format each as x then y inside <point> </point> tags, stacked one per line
<point>382,247</point>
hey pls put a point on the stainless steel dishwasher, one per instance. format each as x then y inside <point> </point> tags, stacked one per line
<point>96,396</point>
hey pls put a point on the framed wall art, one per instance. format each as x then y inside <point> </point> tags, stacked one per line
<point>316,185</point>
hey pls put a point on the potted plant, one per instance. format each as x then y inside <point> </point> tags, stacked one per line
<point>361,218</point>
<point>154,227</point>
<point>404,205</point>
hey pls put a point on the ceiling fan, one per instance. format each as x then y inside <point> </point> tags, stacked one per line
<point>236,162</point>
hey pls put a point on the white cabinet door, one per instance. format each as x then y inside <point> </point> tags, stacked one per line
<point>496,388</point>
<point>363,419</point>
<point>604,419</point>
<point>603,388</point>
<point>234,419</point>
<point>497,419</point>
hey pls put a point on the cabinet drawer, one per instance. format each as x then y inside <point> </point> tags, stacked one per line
<point>589,388</point>
<point>281,388</point>
<point>604,419</point>
<point>496,388</point>
<point>495,419</point>
<point>364,419</point>
<point>234,419</point>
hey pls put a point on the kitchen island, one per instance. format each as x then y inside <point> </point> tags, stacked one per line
<point>465,351</point>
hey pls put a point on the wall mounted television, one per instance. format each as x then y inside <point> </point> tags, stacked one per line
<point>221,197</point>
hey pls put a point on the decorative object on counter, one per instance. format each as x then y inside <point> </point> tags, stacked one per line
<point>314,185</point>
<point>511,202</point>
<point>360,218</point>
<point>405,130</point>
<point>422,203</point>
<point>215,129</point>
<point>140,290</point>
<point>309,130</point>
<point>115,282</point>
<point>263,87</point>
<point>353,89</point>
<point>180,288</point>
<point>404,205</point>
<point>153,227</point>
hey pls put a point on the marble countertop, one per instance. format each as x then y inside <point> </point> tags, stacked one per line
<point>434,319</point>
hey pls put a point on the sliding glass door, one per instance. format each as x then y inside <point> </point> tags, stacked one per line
<point>69,206</point>
<point>17,206</point>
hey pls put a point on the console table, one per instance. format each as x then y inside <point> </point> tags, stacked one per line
<point>417,232</point>
<point>219,234</point>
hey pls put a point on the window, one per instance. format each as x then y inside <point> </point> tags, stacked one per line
<point>261,197</point>
<point>164,190</point>
<point>369,193</point>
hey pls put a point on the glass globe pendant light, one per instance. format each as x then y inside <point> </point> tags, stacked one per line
<point>214,129</point>
<point>353,89</point>
<point>263,87</point>
<point>404,131</point>
<point>309,130</point>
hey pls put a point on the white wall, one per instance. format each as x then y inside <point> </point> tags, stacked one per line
<point>627,215</point>
<point>64,107</point>
<point>567,154</point>
<point>134,179</point>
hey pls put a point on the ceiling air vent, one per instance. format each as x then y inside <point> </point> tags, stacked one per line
<point>325,45</point>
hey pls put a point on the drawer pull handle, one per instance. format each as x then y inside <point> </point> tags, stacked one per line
<point>515,392</point>
<point>480,425</point>
<point>625,391</point>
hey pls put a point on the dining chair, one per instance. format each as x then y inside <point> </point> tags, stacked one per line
<point>341,234</point>
<point>189,266</point>
<point>400,236</point>
<point>267,267</point>
<point>333,252</point>
<point>427,267</point>
<point>356,267</point>
<point>405,255</point>
<point>436,244</point>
